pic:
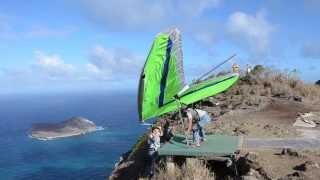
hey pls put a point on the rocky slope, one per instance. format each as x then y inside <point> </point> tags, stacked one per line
<point>264,104</point>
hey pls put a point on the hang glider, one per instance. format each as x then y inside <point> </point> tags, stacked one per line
<point>162,86</point>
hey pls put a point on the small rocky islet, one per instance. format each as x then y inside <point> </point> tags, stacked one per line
<point>72,127</point>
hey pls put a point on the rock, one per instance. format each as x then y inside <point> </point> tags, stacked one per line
<point>306,120</point>
<point>222,112</point>
<point>252,175</point>
<point>240,131</point>
<point>236,105</point>
<point>294,176</point>
<point>252,159</point>
<point>249,178</point>
<point>308,165</point>
<point>303,123</point>
<point>267,127</point>
<point>71,127</point>
<point>250,168</point>
<point>210,102</point>
<point>290,152</point>
<point>295,98</point>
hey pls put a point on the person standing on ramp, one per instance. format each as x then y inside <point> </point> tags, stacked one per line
<point>197,119</point>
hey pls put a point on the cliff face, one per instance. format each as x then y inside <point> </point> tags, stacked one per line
<point>71,127</point>
<point>132,164</point>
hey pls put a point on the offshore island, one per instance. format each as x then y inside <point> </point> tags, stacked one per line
<point>72,127</point>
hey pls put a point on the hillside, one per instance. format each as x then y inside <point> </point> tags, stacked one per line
<point>263,104</point>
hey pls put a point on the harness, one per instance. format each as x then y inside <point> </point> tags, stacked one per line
<point>195,116</point>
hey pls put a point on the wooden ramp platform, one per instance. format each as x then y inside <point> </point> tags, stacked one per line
<point>215,145</point>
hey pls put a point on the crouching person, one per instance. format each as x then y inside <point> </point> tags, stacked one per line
<point>153,146</point>
<point>197,119</point>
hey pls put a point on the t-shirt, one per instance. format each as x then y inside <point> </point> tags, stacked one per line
<point>201,113</point>
<point>154,143</point>
<point>197,114</point>
<point>200,117</point>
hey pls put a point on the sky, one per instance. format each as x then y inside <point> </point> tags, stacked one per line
<point>82,45</point>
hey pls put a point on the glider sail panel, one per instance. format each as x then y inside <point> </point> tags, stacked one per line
<point>200,91</point>
<point>162,76</point>
<point>208,88</point>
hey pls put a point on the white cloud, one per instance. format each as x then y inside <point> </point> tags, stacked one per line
<point>113,63</point>
<point>125,14</point>
<point>251,31</point>
<point>43,31</point>
<point>152,15</point>
<point>205,37</point>
<point>52,66</point>
<point>193,8</point>
<point>204,33</point>
<point>104,64</point>
<point>129,15</point>
<point>9,30</point>
<point>311,50</point>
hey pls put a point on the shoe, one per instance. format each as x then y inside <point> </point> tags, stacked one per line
<point>203,139</point>
<point>196,145</point>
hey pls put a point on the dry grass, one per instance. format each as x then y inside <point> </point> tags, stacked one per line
<point>193,169</point>
<point>270,82</point>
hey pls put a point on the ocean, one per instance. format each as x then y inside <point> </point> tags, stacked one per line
<point>90,156</point>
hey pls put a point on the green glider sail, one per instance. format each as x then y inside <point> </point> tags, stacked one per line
<point>162,86</point>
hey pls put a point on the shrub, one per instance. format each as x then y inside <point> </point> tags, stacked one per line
<point>193,169</point>
<point>278,83</point>
<point>258,69</point>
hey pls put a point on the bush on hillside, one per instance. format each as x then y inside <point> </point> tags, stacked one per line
<point>267,82</point>
<point>258,69</point>
<point>192,169</point>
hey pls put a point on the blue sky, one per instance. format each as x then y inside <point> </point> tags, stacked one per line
<point>94,44</point>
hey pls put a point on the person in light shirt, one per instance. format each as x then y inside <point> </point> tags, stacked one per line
<point>197,119</point>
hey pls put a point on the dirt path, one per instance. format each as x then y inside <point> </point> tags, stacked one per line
<point>310,140</point>
<point>273,121</point>
<point>279,143</point>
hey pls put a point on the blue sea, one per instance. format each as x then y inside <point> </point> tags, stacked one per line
<point>90,156</point>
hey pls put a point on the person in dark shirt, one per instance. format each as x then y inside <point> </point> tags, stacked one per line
<point>153,146</point>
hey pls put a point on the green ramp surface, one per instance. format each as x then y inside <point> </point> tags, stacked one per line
<point>215,145</point>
